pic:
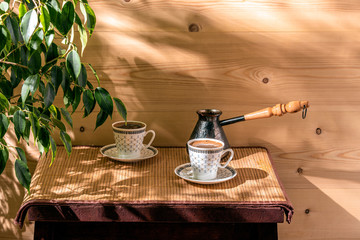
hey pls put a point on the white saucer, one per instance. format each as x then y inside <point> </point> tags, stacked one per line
<point>224,174</point>
<point>111,152</point>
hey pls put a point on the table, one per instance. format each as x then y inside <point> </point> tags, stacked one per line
<point>88,196</point>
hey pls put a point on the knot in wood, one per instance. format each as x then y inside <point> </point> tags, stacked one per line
<point>265,80</point>
<point>318,131</point>
<point>194,27</point>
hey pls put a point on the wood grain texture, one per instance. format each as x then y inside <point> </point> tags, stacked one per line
<point>246,15</point>
<point>332,214</point>
<point>293,134</point>
<point>145,55</point>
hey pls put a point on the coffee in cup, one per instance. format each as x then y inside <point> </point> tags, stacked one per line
<point>129,137</point>
<point>206,143</point>
<point>129,125</point>
<point>205,156</point>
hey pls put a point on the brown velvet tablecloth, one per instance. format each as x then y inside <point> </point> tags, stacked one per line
<point>86,186</point>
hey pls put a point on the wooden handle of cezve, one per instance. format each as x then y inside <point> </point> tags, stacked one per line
<point>278,110</point>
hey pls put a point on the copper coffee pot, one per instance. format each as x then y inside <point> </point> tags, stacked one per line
<point>209,125</point>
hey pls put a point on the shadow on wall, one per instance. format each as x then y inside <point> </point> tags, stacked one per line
<point>166,68</point>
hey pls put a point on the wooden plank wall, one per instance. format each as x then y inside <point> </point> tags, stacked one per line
<point>145,54</point>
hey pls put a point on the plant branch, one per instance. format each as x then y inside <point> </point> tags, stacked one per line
<point>15,64</point>
<point>15,96</point>
<point>12,51</point>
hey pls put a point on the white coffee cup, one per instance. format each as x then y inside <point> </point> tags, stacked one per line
<point>205,156</point>
<point>129,138</point>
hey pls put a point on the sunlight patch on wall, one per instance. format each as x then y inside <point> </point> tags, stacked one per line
<point>336,190</point>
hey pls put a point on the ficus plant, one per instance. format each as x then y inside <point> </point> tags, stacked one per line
<point>40,60</point>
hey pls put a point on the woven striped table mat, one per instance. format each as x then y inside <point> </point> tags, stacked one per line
<point>88,176</point>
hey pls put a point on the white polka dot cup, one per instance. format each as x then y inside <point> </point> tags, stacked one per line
<point>205,156</point>
<point>129,138</point>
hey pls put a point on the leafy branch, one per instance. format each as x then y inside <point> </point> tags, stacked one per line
<point>38,64</point>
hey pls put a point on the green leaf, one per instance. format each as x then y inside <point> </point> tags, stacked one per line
<point>34,81</point>
<point>89,102</point>
<point>42,87</point>
<point>4,125</point>
<point>46,67</point>
<point>15,55</point>
<point>82,77</point>
<point>26,135</point>
<point>23,174</point>
<point>4,103</point>
<point>3,142</point>
<point>83,11</point>
<point>13,27</point>
<point>21,154</point>
<point>56,77</point>
<point>53,150</point>
<point>95,74</point>
<point>68,97</point>
<point>58,113</point>
<point>58,124</point>
<point>43,48</point>
<point>100,119</point>
<point>52,52</point>
<point>67,116</point>
<point>35,126</point>
<point>66,19</point>
<point>4,156</point>
<point>4,6</point>
<point>90,86</point>
<point>13,109</point>
<point>44,138</point>
<point>16,76</point>
<point>45,117</point>
<point>22,10</point>
<point>91,19</point>
<point>31,84</point>
<point>53,110</point>
<point>77,97</point>
<point>24,54</point>
<point>19,121</point>
<point>44,18</point>
<point>6,88</point>
<point>28,24</point>
<point>121,108</point>
<point>73,64</point>
<point>40,147</point>
<point>34,63</point>
<point>54,10</point>
<point>104,100</point>
<point>4,37</point>
<point>49,37</point>
<point>49,95</point>
<point>82,32</point>
<point>25,89</point>
<point>65,83</point>
<point>65,138</point>
<point>36,39</point>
